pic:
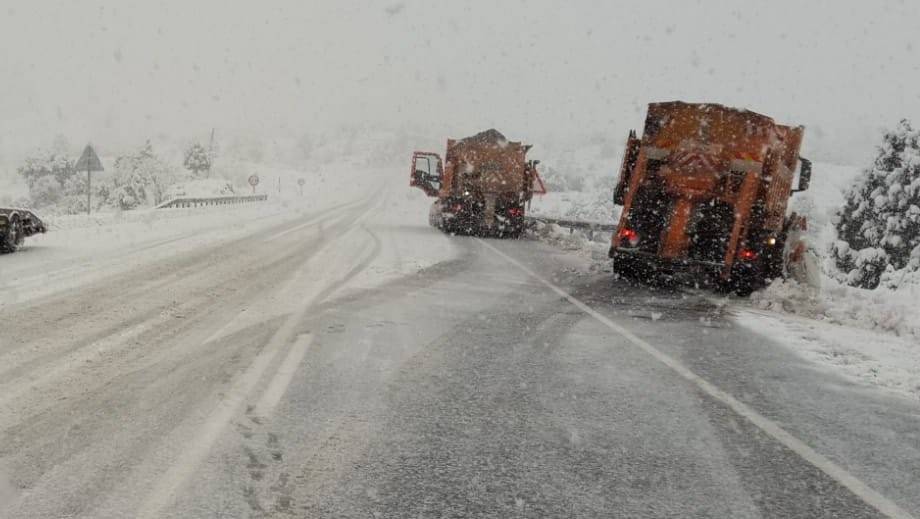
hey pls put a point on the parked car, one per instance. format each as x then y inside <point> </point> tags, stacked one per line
<point>16,225</point>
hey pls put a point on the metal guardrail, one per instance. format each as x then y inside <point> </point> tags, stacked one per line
<point>591,227</point>
<point>211,201</point>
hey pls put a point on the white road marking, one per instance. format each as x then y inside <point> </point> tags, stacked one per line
<point>283,377</point>
<point>836,472</point>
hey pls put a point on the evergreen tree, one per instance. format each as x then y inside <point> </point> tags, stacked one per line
<point>878,228</point>
<point>197,160</point>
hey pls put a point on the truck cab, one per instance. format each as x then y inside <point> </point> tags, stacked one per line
<point>704,194</point>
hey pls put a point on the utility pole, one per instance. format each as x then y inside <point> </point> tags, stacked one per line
<point>211,147</point>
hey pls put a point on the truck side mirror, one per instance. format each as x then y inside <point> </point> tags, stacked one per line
<point>804,175</point>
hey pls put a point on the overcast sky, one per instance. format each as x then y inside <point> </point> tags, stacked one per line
<point>118,72</point>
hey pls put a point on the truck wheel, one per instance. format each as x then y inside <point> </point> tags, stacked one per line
<point>14,236</point>
<point>623,268</point>
<point>742,286</point>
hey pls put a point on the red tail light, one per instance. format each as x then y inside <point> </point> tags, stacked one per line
<point>456,208</point>
<point>747,255</point>
<point>516,211</point>
<point>629,236</point>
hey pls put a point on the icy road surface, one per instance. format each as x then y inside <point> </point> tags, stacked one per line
<point>349,361</point>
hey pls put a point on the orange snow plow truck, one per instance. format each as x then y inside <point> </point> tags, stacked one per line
<point>482,187</point>
<point>704,195</point>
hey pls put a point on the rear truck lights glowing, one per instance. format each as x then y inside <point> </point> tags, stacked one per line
<point>747,255</point>
<point>515,212</point>
<point>629,236</point>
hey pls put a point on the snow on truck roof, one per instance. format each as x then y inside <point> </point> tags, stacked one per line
<point>486,138</point>
<point>715,110</point>
<point>736,133</point>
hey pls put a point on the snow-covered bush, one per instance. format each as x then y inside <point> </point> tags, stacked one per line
<point>45,191</point>
<point>878,228</point>
<point>49,176</point>
<point>139,179</point>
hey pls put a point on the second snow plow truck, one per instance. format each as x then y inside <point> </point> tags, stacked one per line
<point>704,195</point>
<point>482,186</point>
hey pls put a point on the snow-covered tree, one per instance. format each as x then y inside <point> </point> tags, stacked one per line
<point>44,163</point>
<point>878,228</point>
<point>139,178</point>
<point>46,173</point>
<point>197,160</point>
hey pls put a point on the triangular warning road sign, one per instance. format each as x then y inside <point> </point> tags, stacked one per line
<point>537,187</point>
<point>89,161</point>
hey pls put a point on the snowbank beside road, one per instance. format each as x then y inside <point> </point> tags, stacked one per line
<point>201,188</point>
<point>886,361</point>
<point>891,311</point>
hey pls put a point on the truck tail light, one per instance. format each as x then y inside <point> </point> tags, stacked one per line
<point>630,236</point>
<point>515,212</point>
<point>456,208</point>
<point>747,255</point>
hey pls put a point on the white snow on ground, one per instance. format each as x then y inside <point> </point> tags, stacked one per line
<point>201,188</point>
<point>81,248</point>
<point>576,205</point>
<point>883,360</point>
<point>579,182</point>
<point>593,245</point>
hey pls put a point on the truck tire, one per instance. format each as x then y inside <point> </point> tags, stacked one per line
<point>623,267</point>
<point>743,281</point>
<point>14,236</point>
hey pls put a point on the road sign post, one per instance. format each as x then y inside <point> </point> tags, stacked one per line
<point>90,162</point>
<point>301,182</point>
<point>253,181</point>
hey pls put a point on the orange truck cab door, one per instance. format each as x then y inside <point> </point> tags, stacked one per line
<point>427,172</point>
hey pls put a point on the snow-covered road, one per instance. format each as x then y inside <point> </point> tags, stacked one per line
<point>342,359</point>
